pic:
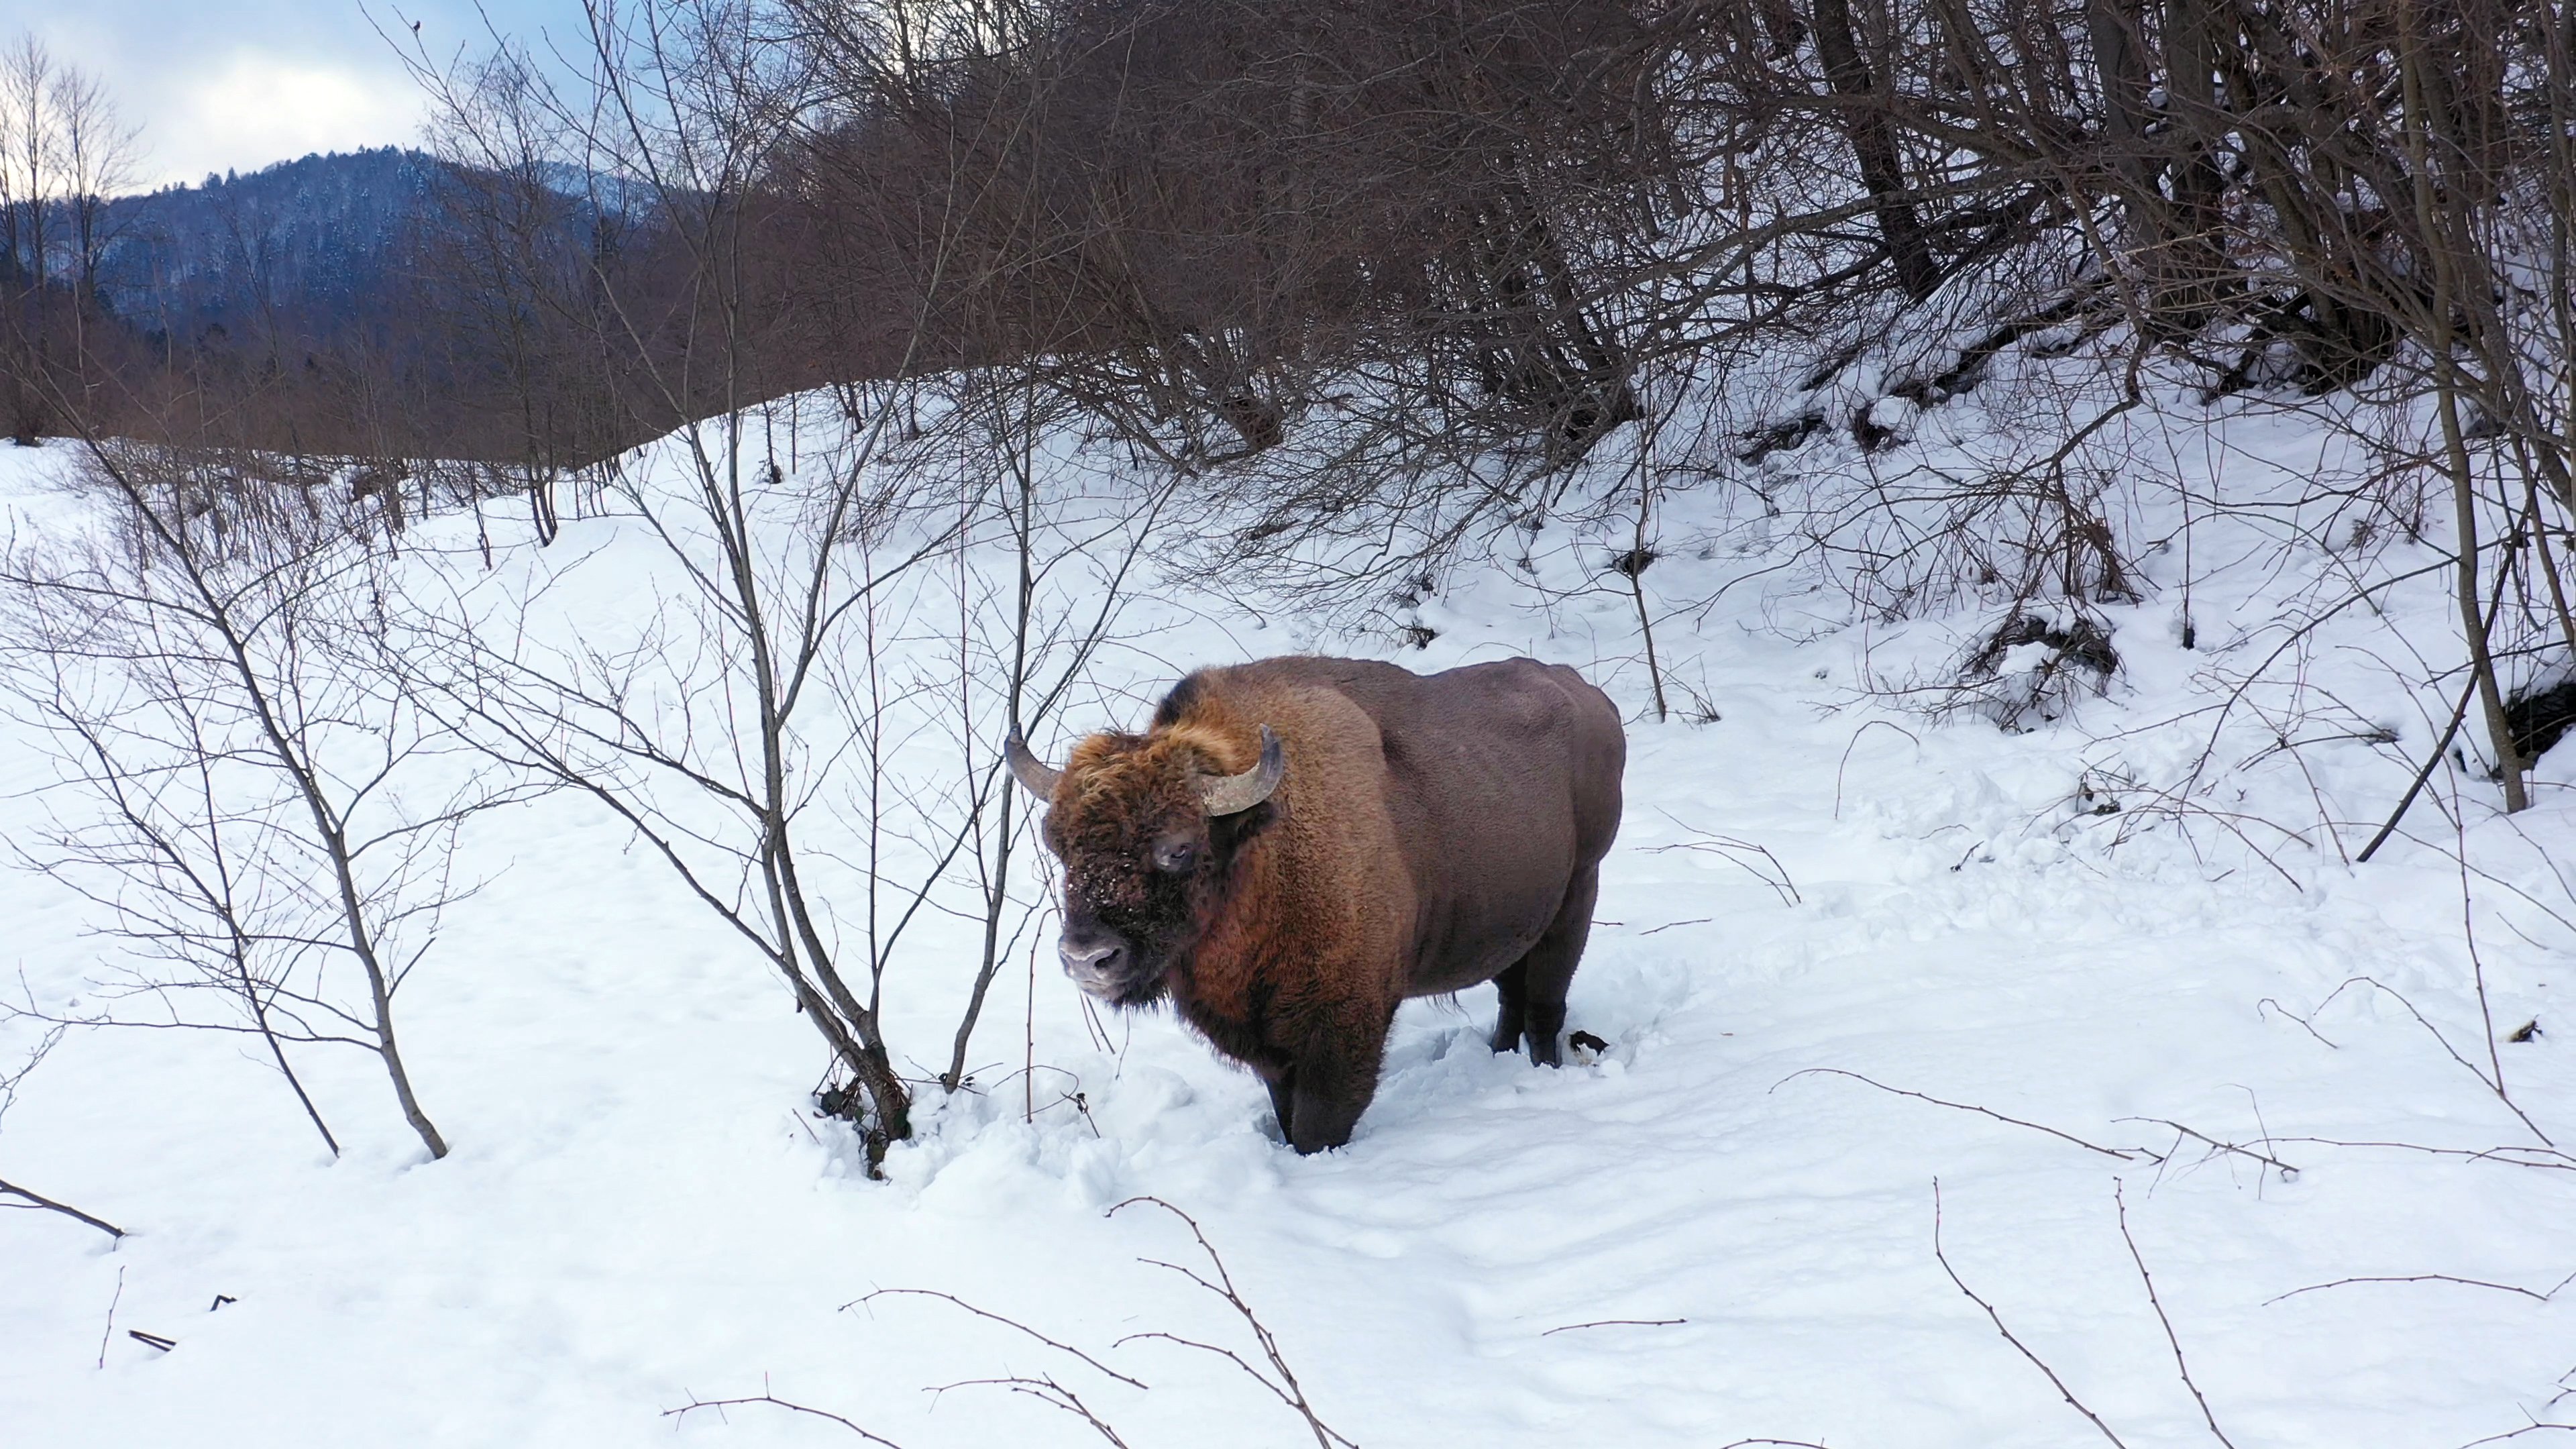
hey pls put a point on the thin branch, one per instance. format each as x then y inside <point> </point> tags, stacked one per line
<point>1620,1323</point>
<point>2288,1173</point>
<point>2532,1294</point>
<point>2181,1365</point>
<point>773,1401</point>
<point>1046,1391</point>
<point>996,1318</point>
<point>2546,1158</point>
<point>2518,1433</point>
<point>38,1200</point>
<point>1290,1392</point>
<point>2124,1154</point>
<point>1998,1320</point>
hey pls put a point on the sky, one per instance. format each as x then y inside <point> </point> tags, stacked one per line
<point>222,85</point>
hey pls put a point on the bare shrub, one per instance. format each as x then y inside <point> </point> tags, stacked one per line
<point>240,785</point>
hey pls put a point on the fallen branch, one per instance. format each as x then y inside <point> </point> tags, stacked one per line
<point>39,1200</point>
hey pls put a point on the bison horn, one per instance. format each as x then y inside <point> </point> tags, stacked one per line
<point>1035,778</point>
<point>1229,794</point>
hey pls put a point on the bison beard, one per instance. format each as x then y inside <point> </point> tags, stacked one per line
<point>1296,845</point>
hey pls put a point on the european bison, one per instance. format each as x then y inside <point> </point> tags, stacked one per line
<point>1297,845</point>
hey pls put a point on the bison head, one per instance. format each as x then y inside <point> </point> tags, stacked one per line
<point>1148,827</point>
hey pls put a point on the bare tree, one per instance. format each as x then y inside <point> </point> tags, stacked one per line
<point>30,158</point>
<point>98,151</point>
<point>710,737</point>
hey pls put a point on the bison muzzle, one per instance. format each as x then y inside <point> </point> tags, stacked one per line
<point>1296,845</point>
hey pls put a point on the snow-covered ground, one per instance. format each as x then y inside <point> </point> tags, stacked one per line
<point>1714,1230</point>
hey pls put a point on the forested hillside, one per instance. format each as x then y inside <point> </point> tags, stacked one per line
<point>310,250</point>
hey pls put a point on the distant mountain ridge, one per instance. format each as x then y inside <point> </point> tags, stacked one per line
<point>318,248</point>
<point>313,246</point>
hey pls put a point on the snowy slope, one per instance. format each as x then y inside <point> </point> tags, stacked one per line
<point>641,1211</point>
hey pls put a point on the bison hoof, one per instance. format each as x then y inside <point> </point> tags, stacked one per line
<point>1543,1051</point>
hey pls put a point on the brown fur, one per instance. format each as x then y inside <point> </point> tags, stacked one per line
<point>1430,833</point>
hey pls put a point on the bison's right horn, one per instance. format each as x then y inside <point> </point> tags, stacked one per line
<point>1229,794</point>
<point>1035,778</point>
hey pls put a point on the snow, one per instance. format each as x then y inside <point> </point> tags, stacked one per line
<point>1822,885</point>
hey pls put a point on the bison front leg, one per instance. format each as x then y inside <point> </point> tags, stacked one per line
<point>1283,1098</point>
<point>1331,1084</point>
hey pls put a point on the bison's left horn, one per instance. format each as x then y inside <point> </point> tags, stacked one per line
<point>1035,778</point>
<point>1229,794</point>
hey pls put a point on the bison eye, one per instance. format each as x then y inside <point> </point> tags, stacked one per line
<point>1175,856</point>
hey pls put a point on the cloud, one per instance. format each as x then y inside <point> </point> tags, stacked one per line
<point>239,84</point>
<point>253,107</point>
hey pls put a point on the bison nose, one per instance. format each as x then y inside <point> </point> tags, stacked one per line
<point>1093,962</point>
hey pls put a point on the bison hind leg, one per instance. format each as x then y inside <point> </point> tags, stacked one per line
<point>1548,970</point>
<point>1511,1019</point>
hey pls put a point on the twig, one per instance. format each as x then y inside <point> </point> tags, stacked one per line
<point>1668,925</point>
<point>1625,1322</point>
<point>109,1332</point>
<point>2180,1365</point>
<point>2552,1159</point>
<point>38,1200</point>
<point>1998,1320</point>
<point>2532,1294</point>
<point>1288,1390</point>
<point>2518,1433</point>
<point>2493,1084</point>
<point>1046,1391</point>
<point>2288,1173</point>
<point>765,1397</point>
<point>1729,849</point>
<point>2304,1024</point>
<point>2125,1154</point>
<point>152,1340</point>
<point>996,1318</point>
<point>1865,728</point>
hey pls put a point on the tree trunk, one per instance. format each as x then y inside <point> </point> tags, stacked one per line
<point>1873,142</point>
